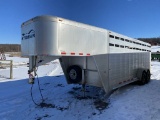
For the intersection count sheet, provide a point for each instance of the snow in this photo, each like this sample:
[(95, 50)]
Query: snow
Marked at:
[(155, 48), (131, 102)]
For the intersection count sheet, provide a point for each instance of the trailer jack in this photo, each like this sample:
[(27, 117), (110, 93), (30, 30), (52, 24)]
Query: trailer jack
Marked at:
[(31, 78), (32, 69)]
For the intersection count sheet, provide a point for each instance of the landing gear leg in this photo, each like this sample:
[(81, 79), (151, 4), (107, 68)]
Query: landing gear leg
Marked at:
[(32, 69)]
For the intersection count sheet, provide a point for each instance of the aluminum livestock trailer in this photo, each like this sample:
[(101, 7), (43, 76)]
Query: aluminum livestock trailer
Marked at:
[(87, 54)]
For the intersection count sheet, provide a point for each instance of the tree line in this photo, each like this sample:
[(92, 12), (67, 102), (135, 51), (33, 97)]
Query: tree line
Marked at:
[(152, 41), (10, 48)]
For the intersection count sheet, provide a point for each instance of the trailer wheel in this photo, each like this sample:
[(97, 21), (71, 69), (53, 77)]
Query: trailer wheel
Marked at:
[(143, 78), (75, 74), (148, 76)]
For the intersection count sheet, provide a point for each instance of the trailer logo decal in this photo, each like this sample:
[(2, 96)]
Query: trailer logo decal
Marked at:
[(28, 35)]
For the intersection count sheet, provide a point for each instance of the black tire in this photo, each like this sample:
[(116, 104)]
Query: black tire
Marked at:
[(148, 76), (143, 78), (74, 74)]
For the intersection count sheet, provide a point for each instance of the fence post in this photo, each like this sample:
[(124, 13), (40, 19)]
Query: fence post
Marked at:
[(11, 69)]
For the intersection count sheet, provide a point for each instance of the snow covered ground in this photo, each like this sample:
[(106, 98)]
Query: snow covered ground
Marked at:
[(155, 49), (131, 102)]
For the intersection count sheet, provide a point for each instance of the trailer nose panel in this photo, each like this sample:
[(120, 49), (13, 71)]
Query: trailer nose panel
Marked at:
[(39, 37), (28, 40)]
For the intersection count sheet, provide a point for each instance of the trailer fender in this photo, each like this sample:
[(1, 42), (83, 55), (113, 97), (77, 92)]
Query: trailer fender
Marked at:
[(74, 74)]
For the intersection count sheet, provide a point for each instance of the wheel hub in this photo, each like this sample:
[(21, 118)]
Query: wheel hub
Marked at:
[(73, 74)]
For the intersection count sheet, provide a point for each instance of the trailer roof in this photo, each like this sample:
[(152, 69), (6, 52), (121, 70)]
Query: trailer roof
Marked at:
[(62, 20)]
